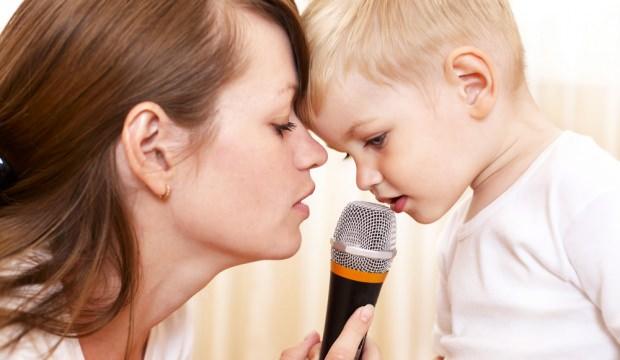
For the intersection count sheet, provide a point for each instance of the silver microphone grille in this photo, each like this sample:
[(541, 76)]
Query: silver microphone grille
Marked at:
[(365, 237)]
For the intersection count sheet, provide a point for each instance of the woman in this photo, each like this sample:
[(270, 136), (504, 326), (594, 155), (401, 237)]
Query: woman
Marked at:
[(152, 144)]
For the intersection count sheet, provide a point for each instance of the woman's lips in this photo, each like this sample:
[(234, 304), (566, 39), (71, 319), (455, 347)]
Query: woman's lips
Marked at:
[(302, 208)]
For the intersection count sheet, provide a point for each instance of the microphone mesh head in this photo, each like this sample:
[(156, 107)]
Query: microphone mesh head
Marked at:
[(367, 226)]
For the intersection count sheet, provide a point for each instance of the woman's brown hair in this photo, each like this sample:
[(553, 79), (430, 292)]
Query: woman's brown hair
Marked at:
[(70, 71)]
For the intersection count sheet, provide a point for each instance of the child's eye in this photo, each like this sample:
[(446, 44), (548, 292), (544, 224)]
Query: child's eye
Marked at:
[(377, 141), (281, 128)]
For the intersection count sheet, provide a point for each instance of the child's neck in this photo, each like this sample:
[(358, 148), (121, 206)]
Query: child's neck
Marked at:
[(525, 134)]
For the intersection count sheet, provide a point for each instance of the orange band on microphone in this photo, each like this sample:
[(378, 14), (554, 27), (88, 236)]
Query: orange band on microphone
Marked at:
[(356, 275)]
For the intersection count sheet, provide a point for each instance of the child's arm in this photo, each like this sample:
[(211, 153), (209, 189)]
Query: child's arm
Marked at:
[(592, 243)]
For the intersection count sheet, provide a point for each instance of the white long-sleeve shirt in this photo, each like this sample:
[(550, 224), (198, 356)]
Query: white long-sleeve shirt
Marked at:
[(172, 339), (536, 274)]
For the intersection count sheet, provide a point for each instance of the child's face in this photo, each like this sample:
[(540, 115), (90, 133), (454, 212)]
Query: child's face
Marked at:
[(413, 155)]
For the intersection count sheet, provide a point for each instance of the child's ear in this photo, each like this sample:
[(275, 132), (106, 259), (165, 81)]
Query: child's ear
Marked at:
[(147, 140), (472, 72)]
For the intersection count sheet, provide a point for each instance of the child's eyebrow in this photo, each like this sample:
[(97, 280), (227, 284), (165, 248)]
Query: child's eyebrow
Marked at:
[(356, 125)]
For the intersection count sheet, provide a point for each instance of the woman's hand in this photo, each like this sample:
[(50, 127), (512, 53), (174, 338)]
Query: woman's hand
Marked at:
[(345, 346)]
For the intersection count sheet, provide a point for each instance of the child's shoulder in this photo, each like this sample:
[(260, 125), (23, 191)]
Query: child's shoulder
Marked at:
[(576, 173), (578, 163)]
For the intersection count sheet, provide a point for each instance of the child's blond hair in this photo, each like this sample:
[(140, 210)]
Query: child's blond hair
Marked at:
[(404, 39)]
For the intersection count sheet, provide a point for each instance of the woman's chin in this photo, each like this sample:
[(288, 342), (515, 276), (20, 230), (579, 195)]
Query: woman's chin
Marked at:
[(287, 248)]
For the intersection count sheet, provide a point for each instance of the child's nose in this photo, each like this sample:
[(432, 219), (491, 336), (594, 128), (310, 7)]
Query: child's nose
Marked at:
[(367, 177)]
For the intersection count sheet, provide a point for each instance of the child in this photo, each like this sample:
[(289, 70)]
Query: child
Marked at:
[(428, 97)]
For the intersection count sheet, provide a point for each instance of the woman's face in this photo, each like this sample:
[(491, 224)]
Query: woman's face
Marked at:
[(242, 195)]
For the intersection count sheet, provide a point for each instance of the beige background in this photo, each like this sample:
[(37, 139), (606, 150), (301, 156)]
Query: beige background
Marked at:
[(255, 311)]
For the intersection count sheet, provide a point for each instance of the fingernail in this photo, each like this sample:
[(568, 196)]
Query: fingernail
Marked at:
[(309, 335), (366, 313)]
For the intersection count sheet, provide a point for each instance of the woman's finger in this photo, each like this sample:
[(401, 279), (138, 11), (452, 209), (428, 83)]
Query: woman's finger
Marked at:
[(371, 351), (315, 352), (303, 349), (354, 331)]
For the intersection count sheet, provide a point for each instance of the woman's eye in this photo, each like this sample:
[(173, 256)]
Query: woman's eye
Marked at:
[(377, 141), (281, 128)]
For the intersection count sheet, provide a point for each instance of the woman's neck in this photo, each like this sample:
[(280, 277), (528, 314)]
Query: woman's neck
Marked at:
[(170, 276)]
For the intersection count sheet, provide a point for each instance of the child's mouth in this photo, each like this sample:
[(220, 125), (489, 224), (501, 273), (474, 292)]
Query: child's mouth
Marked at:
[(398, 203)]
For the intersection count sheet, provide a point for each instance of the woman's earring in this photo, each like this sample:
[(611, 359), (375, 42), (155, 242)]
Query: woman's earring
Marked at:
[(166, 194)]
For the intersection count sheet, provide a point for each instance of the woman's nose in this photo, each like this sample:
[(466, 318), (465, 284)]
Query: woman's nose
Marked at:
[(310, 154)]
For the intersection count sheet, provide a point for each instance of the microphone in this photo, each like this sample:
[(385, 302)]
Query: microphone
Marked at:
[(363, 246)]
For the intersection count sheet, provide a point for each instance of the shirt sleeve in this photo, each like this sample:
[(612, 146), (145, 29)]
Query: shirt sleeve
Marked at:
[(442, 325), (592, 243)]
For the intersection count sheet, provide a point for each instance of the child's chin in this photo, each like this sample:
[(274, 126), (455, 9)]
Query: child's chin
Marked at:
[(423, 217)]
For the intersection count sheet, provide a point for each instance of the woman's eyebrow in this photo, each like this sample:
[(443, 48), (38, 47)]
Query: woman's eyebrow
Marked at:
[(288, 87)]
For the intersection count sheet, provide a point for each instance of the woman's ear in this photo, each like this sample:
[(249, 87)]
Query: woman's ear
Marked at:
[(472, 72), (147, 140)]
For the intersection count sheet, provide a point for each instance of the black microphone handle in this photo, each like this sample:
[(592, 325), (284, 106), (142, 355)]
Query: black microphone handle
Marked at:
[(345, 296)]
